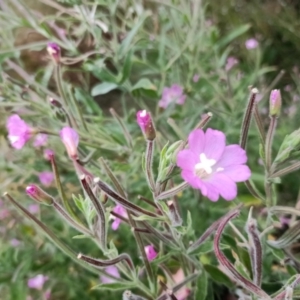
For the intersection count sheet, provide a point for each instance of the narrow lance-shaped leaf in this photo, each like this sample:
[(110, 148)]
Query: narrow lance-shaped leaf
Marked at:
[(228, 266)]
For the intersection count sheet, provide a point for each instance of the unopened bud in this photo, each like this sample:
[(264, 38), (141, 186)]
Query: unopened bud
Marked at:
[(55, 102), (37, 194), (54, 52), (150, 252), (275, 103), (144, 120), (70, 139), (48, 154)]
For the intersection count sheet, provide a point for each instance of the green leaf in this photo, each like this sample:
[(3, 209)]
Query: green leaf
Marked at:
[(201, 287), (233, 35), (128, 41), (218, 276), (80, 236), (103, 88), (146, 87), (127, 67), (114, 286), (278, 254)]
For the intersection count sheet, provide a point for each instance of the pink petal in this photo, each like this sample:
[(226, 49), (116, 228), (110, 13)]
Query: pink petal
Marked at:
[(115, 224), (237, 173), (209, 191), (186, 160), (191, 178), (224, 185), (232, 155), (111, 270), (215, 142), (197, 141)]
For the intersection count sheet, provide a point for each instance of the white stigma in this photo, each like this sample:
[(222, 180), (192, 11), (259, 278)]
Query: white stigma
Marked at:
[(143, 113), (204, 168), (13, 138)]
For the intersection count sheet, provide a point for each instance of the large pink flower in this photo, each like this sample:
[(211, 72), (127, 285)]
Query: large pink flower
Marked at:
[(18, 131), (211, 166)]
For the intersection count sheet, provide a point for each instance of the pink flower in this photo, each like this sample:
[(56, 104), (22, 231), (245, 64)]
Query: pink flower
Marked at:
[(37, 282), (172, 94), (211, 166), (231, 62), (54, 51), (71, 140), (33, 208), (251, 44), (120, 210), (15, 243), (37, 194), (150, 252), (4, 213), (184, 292), (18, 131), (47, 294), (196, 78), (40, 140), (46, 178), (144, 120), (111, 270), (48, 153)]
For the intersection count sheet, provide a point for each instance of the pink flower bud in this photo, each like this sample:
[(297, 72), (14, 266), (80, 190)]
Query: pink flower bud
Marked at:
[(144, 120), (150, 252), (275, 103), (71, 139), (54, 52), (251, 44), (37, 194)]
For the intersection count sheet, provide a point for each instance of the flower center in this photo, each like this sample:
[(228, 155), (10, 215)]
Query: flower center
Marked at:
[(204, 168)]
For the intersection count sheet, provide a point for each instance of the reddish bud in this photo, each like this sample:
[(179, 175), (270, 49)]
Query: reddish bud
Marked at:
[(54, 52), (37, 194), (275, 103), (144, 120)]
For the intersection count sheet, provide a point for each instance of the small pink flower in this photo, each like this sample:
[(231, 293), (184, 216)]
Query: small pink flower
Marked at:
[(231, 62), (71, 140), (18, 131), (196, 78), (211, 166), (46, 178), (184, 292), (251, 44), (40, 140), (33, 208), (150, 252), (15, 243), (48, 154), (120, 210), (54, 51), (111, 270), (37, 194), (172, 94), (37, 282), (47, 294)]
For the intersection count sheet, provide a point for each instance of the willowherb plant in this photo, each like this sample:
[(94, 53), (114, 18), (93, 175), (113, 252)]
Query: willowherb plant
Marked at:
[(207, 164)]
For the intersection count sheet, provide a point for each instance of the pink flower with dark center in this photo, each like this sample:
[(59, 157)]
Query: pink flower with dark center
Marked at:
[(46, 178), (120, 210), (251, 44), (231, 62), (37, 282), (70, 139), (111, 270), (48, 154), (150, 252), (172, 94), (211, 166), (40, 140), (18, 131)]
